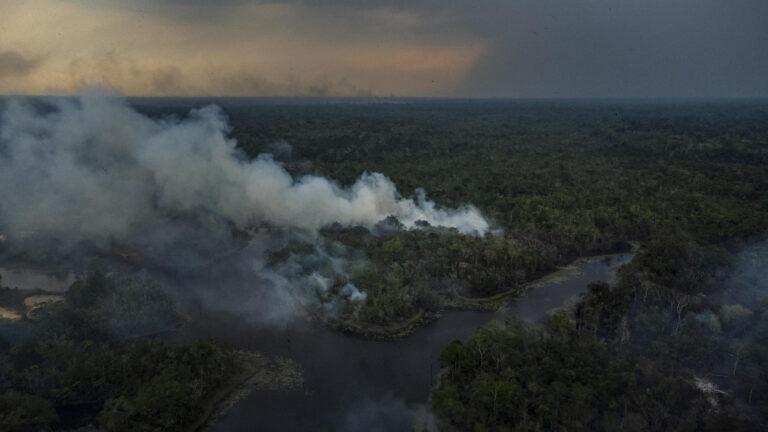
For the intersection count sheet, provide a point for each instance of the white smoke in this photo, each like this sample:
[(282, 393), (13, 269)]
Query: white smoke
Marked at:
[(93, 169)]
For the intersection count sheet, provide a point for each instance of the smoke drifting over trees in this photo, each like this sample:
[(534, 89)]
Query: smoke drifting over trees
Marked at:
[(83, 177), (95, 170)]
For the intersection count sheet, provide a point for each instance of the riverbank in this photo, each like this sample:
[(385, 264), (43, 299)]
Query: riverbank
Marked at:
[(383, 332), (16, 304), (356, 383), (496, 301), (259, 372), (455, 301)]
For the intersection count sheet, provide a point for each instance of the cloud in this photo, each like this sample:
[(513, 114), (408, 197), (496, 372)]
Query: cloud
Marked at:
[(245, 82), (527, 48), (13, 63), (241, 48), (167, 80), (608, 48)]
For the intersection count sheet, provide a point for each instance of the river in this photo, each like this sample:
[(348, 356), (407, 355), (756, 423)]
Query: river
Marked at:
[(353, 384)]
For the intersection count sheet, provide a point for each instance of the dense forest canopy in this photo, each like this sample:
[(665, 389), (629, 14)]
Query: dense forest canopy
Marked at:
[(90, 362), (677, 342), (560, 179)]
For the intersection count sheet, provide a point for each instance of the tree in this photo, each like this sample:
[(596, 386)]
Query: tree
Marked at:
[(21, 412)]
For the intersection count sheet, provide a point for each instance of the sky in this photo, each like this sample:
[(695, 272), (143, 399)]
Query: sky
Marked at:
[(448, 48)]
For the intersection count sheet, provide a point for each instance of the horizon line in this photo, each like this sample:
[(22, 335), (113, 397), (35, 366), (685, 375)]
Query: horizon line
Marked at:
[(394, 97)]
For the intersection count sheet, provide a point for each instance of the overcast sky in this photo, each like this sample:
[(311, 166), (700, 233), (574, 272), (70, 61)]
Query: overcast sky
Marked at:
[(479, 48)]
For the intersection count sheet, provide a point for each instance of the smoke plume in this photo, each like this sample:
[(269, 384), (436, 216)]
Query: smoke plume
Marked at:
[(81, 177), (95, 170)]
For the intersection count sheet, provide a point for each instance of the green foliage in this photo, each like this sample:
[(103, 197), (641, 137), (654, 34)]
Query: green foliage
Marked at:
[(514, 377), (170, 385), (576, 176), (407, 272), (561, 179), (21, 412), (632, 356), (752, 374), (89, 358)]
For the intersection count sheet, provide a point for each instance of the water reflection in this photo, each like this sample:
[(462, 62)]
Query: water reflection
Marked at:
[(352, 383)]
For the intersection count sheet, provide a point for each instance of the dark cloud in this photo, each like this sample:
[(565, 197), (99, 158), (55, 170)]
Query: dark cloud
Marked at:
[(554, 48), (167, 80), (13, 63), (245, 82), (653, 48)]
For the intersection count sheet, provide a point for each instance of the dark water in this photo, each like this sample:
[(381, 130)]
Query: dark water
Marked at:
[(353, 384)]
